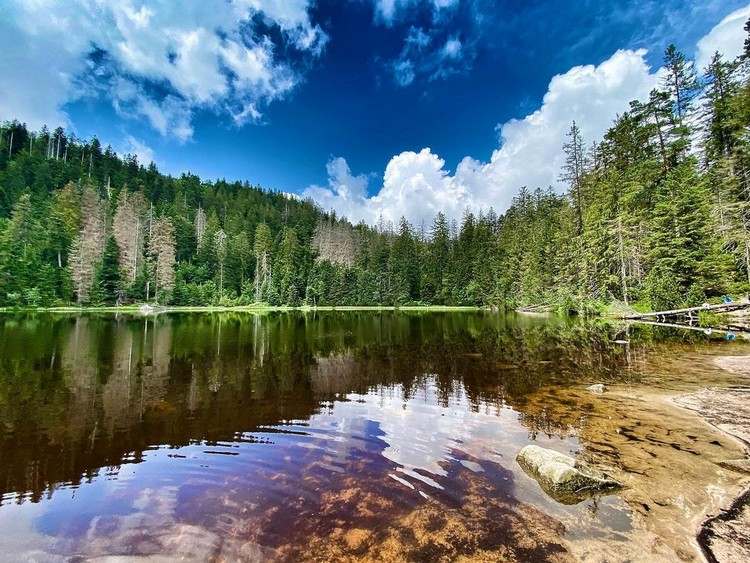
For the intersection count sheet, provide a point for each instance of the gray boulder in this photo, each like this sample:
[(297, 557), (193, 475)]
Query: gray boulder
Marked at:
[(561, 477), (597, 388)]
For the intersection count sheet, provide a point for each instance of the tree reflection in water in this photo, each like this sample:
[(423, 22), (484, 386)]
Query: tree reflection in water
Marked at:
[(287, 434)]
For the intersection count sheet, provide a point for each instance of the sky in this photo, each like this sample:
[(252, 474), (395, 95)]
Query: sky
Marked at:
[(374, 108)]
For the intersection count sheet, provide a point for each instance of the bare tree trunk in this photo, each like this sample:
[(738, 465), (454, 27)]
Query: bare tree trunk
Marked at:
[(623, 271), (136, 253), (156, 283)]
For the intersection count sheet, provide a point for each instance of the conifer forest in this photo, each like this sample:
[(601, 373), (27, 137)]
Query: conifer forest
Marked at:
[(655, 214)]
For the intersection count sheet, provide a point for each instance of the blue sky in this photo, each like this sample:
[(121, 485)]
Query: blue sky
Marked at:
[(322, 98)]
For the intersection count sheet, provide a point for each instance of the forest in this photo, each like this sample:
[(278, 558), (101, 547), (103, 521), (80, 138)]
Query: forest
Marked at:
[(655, 215)]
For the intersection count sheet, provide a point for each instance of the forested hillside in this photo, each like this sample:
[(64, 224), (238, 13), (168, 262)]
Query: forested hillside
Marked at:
[(657, 212)]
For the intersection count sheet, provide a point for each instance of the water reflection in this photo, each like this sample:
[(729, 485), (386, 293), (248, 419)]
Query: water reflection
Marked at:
[(284, 435)]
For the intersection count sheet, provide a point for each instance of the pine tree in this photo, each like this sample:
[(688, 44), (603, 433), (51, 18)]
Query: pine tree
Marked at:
[(262, 251), (437, 260), (681, 81), (20, 253), (404, 264), (683, 249), (287, 270), (573, 170), (107, 286), (240, 257)]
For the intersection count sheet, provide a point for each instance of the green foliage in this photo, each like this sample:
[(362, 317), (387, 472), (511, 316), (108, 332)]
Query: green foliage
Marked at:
[(107, 285), (662, 290), (647, 221)]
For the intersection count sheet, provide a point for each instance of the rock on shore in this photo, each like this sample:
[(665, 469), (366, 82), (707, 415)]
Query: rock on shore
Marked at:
[(726, 536), (561, 477)]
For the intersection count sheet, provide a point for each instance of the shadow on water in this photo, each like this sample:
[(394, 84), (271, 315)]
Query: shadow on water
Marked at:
[(301, 434)]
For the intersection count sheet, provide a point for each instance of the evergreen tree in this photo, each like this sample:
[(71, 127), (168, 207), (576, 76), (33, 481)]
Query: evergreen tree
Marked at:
[(640, 221), (682, 248), (573, 171), (287, 269), (404, 265), (20, 255), (262, 250), (437, 261), (681, 81), (107, 287)]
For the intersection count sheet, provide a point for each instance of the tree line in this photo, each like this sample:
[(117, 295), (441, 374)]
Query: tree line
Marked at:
[(655, 214)]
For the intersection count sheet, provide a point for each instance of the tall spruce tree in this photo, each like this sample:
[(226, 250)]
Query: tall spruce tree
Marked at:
[(108, 285)]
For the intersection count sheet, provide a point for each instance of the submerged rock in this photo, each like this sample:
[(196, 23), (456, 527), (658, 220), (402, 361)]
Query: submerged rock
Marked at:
[(726, 537), (598, 388), (561, 477), (738, 465)]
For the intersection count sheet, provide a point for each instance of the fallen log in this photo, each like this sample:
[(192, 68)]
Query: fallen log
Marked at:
[(534, 309), (690, 312), (737, 331)]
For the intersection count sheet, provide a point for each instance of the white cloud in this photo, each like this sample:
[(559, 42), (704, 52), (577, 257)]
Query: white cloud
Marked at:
[(403, 72), (417, 59), (138, 148), (418, 38), (434, 51), (452, 48), (727, 37), (169, 116), (388, 11), (346, 193), (420, 434), (417, 184), (177, 57)]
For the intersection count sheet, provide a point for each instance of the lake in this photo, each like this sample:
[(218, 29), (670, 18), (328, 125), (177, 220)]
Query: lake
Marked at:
[(351, 435)]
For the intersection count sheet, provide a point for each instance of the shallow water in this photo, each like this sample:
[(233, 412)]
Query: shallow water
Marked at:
[(347, 435)]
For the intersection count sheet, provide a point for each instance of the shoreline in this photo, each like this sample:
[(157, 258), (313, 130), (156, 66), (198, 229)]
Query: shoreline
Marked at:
[(721, 408), (666, 456), (240, 309)]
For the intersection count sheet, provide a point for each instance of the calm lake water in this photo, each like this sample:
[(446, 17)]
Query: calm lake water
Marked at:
[(311, 436)]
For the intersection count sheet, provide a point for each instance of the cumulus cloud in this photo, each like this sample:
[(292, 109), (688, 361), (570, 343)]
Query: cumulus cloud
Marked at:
[(159, 60), (345, 192), (139, 149), (727, 37), (417, 185)]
